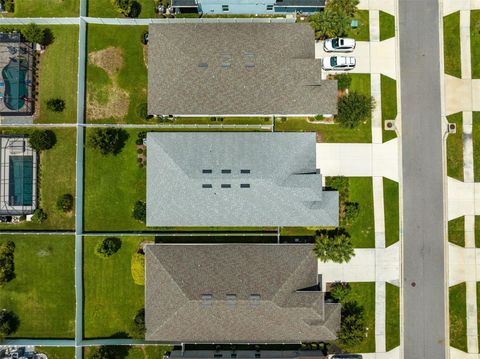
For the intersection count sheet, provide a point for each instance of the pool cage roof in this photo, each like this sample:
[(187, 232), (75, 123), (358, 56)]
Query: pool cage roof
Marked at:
[(20, 179), (17, 69)]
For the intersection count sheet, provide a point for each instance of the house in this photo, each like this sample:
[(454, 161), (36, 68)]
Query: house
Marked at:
[(236, 179), (241, 69), (264, 7), (239, 293), (18, 176)]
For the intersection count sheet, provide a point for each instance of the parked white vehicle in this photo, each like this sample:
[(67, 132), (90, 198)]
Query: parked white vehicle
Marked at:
[(339, 44), (338, 63)]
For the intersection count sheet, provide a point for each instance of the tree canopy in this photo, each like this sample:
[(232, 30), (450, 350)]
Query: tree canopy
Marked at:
[(335, 246), (354, 108), (108, 140), (42, 140)]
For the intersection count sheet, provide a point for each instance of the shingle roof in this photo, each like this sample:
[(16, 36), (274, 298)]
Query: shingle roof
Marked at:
[(178, 278), (226, 69), (284, 187)]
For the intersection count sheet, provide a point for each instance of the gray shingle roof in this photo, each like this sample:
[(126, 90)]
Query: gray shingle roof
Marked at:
[(178, 278), (227, 69), (284, 187)]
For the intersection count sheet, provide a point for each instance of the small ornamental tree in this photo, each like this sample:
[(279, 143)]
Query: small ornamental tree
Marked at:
[(34, 33), (138, 328), (329, 24), (140, 211), (39, 216), (349, 7), (7, 262), (354, 108), (108, 140), (352, 327), (42, 140), (340, 291), (344, 81), (333, 246), (352, 210), (56, 105), (108, 246), (65, 202), (9, 323)]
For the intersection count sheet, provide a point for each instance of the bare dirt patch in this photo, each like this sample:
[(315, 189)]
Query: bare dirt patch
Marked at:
[(109, 59), (116, 107)]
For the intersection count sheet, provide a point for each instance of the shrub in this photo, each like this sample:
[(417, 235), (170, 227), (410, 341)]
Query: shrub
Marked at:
[(352, 327), (340, 291), (138, 268), (352, 210), (123, 6), (108, 140), (140, 137), (354, 108), (56, 105), (65, 202), (344, 81), (142, 111), (34, 33), (139, 323), (39, 216), (140, 211), (349, 7), (135, 9), (108, 246), (140, 151), (9, 322), (339, 183), (109, 352), (42, 140), (334, 246), (9, 5), (330, 23), (7, 262)]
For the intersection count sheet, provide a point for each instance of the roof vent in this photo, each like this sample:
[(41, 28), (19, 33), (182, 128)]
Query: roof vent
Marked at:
[(255, 299), (206, 171), (244, 171), (203, 65), (231, 299), (207, 299), (226, 171), (226, 185), (207, 185), (244, 185)]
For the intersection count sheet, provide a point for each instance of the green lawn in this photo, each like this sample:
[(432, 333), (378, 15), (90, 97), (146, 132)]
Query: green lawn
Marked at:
[(334, 132), (455, 148), (58, 75), (362, 32), (387, 26), (47, 8), (451, 44), (43, 292), (57, 352), (116, 97), (475, 42), (104, 8), (392, 215), (137, 352), (458, 316), (389, 104), (392, 319), (364, 295), (456, 231), (476, 145), (111, 298), (477, 232), (56, 177)]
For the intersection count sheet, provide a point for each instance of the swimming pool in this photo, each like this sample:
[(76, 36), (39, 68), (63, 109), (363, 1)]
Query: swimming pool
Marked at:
[(14, 75), (21, 181)]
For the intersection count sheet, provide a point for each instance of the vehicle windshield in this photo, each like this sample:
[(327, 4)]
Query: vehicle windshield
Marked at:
[(333, 61), (335, 43)]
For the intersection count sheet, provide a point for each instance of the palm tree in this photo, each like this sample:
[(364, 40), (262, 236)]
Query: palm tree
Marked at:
[(333, 246)]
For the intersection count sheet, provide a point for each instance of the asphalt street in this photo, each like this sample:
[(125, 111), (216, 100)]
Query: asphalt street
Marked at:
[(423, 207)]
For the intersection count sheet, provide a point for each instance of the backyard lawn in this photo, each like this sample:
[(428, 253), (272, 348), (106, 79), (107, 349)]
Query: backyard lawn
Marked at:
[(334, 132), (137, 351), (57, 352), (43, 292), (392, 216), (458, 316), (451, 44), (456, 231), (56, 177), (47, 8), (455, 148), (111, 298), (364, 295), (387, 26), (116, 74), (58, 75), (475, 42), (392, 319), (389, 104), (104, 8), (362, 32), (476, 145)]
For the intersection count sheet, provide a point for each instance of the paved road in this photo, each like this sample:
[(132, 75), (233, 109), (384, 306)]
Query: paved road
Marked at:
[(423, 209)]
